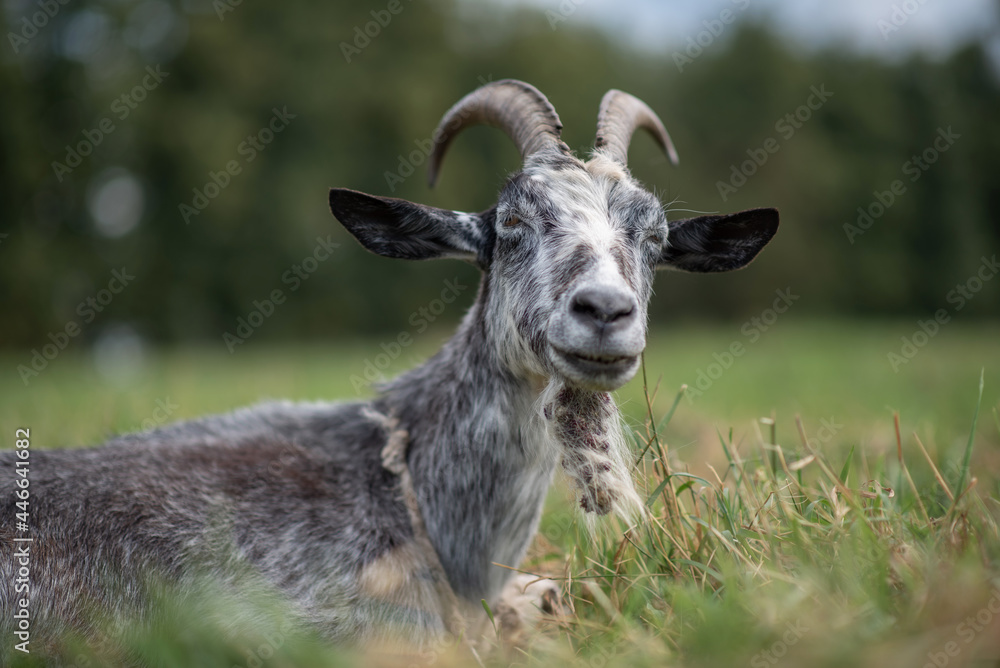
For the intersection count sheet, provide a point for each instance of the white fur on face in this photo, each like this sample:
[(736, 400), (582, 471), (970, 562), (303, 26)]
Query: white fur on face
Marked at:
[(579, 228)]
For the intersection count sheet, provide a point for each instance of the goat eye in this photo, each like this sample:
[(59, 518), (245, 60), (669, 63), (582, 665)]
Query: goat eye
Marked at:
[(512, 221)]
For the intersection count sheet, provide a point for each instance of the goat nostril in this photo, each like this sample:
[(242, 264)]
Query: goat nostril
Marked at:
[(622, 314), (602, 306), (584, 308)]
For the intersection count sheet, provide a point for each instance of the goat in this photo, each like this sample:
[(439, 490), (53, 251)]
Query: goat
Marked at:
[(384, 519)]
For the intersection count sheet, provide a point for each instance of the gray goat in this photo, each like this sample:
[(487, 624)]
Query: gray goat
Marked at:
[(385, 518)]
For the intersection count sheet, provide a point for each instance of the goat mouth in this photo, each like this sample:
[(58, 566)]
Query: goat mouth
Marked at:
[(602, 370), (594, 358)]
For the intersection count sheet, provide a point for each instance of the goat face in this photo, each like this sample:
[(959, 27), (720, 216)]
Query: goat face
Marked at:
[(572, 269), (570, 248)]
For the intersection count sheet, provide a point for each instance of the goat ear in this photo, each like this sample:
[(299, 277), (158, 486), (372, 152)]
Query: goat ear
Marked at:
[(718, 243), (397, 228)]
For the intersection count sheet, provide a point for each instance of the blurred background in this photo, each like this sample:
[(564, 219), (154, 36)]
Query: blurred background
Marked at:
[(189, 145)]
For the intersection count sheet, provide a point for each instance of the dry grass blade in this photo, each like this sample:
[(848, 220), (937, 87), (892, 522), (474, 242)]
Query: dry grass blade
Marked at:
[(800, 464), (874, 495), (937, 474), (906, 470), (834, 478)]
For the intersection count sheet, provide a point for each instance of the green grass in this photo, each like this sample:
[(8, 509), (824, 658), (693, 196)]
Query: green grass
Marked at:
[(824, 540)]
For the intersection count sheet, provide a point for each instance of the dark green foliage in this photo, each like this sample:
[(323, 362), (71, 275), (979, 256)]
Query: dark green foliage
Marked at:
[(355, 121)]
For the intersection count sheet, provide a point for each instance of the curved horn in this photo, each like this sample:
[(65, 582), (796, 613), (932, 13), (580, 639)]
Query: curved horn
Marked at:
[(517, 108), (620, 116)]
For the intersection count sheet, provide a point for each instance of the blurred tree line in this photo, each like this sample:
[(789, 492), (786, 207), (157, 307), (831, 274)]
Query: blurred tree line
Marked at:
[(128, 130)]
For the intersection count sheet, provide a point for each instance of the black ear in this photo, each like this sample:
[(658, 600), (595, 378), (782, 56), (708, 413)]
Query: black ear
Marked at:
[(718, 243), (397, 228)]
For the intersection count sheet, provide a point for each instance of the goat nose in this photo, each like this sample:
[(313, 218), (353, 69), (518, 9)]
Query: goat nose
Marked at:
[(603, 307)]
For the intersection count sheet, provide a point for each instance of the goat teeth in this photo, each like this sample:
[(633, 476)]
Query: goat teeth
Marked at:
[(604, 359)]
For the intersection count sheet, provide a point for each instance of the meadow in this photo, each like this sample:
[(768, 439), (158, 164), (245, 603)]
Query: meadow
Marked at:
[(793, 519)]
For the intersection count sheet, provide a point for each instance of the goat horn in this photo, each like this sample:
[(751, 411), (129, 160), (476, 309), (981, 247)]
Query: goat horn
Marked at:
[(619, 117), (517, 108)]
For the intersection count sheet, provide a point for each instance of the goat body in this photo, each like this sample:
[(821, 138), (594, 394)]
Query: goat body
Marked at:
[(385, 519)]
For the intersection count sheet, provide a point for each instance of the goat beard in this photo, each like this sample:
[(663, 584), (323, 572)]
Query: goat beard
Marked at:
[(593, 449)]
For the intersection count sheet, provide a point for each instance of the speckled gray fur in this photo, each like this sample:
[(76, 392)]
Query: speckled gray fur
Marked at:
[(294, 498)]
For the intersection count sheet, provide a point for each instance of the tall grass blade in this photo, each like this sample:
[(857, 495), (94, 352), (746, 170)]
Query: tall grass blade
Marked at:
[(670, 413), (656, 492), (964, 475), (844, 472)]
